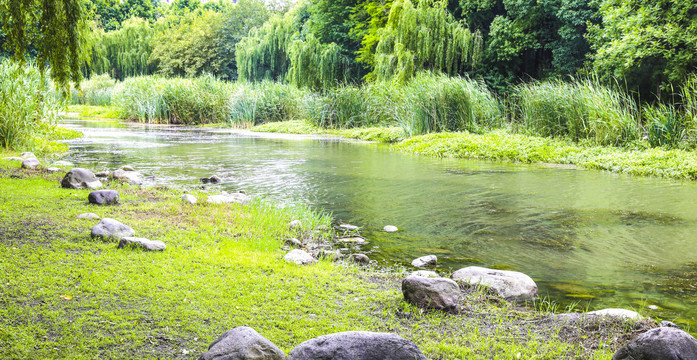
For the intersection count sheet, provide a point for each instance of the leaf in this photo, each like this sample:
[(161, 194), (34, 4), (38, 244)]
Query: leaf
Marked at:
[(66, 297)]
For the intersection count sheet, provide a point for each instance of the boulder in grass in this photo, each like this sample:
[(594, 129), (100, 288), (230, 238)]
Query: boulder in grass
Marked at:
[(431, 293), (103, 197), (142, 243), (189, 199), (242, 343), (300, 257), (663, 343), (237, 198), (357, 345), (424, 261), (30, 163), (110, 229), (130, 177), (360, 259), (79, 178), (510, 285)]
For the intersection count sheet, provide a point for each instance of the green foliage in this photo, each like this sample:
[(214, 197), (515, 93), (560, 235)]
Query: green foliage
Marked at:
[(437, 103), (317, 65), (27, 111), (664, 125), (578, 110), (124, 52), (649, 43), (57, 30), (369, 18), (425, 37)]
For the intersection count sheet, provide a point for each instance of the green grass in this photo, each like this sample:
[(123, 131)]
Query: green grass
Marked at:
[(95, 111), (502, 145), (63, 295), (377, 134)]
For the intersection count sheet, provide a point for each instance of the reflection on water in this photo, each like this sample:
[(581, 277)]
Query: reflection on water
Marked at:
[(617, 241)]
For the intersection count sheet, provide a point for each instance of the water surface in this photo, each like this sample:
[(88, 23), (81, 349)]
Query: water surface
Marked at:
[(613, 240)]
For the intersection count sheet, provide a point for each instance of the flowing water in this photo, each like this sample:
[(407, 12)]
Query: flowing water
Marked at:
[(590, 238)]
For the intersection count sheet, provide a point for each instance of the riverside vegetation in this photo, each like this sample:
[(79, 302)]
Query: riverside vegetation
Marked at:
[(66, 295)]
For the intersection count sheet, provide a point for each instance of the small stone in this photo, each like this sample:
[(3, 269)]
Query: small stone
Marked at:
[(358, 240), (617, 313), (30, 163), (390, 228), (653, 307), (242, 343), (145, 244), (62, 163), (426, 274), (295, 225), (127, 168), (300, 257), (663, 343), (357, 345), (293, 242), (79, 178), (90, 216), (666, 323), (510, 285), (103, 174), (110, 229), (332, 255), (360, 259), (27, 155), (103, 197), (54, 170), (236, 198), (431, 293), (215, 179), (189, 199), (349, 227), (425, 261)]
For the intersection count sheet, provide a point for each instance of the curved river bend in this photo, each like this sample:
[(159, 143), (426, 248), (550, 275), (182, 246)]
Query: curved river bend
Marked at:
[(613, 240)]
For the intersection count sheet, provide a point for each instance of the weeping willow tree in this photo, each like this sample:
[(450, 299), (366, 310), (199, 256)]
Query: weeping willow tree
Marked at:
[(124, 52), (424, 37), (55, 30), (263, 54), (316, 65)]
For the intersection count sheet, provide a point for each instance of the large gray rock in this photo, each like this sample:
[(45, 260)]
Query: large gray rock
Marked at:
[(425, 261), (237, 198), (664, 343), (431, 293), (145, 244), (131, 177), (110, 229), (300, 257), (79, 178), (30, 163), (511, 285), (103, 197), (242, 343), (357, 345)]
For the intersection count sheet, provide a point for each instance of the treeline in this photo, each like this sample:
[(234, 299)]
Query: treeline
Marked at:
[(648, 47)]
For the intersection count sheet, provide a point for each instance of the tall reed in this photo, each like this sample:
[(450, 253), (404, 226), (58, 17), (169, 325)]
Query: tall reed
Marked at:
[(97, 90), (141, 98), (27, 110), (582, 109)]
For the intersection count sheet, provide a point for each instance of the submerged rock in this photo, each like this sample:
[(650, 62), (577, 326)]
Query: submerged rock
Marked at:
[(79, 178), (189, 199), (30, 163), (511, 285), (357, 345), (242, 343), (110, 229), (131, 177), (237, 198), (358, 240), (145, 244), (431, 293), (348, 227), (424, 261), (215, 179), (300, 257), (390, 228), (103, 197), (664, 343)]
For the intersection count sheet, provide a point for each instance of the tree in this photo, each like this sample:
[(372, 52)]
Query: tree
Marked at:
[(648, 43), (123, 52), (369, 18), (58, 31)]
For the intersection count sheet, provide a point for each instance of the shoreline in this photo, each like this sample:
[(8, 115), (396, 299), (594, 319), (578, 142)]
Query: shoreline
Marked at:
[(341, 297)]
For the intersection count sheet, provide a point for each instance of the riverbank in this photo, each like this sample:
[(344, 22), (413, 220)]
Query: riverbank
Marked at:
[(65, 295)]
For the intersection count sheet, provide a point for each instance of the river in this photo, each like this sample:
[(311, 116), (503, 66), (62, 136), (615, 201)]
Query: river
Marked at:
[(590, 238)]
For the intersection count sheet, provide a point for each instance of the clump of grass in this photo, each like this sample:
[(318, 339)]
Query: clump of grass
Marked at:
[(202, 100), (96, 91), (664, 125), (141, 98), (257, 103), (27, 110), (341, 107), (577, 110), (438, 103)]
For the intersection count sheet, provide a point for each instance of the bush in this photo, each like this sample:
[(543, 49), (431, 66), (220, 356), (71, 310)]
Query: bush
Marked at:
[(577, 110), (27, 109)]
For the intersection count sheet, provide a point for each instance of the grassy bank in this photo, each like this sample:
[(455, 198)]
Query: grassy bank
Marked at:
[(64, 295)]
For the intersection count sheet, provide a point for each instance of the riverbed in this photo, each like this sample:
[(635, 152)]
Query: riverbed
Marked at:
[(590, 239)]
